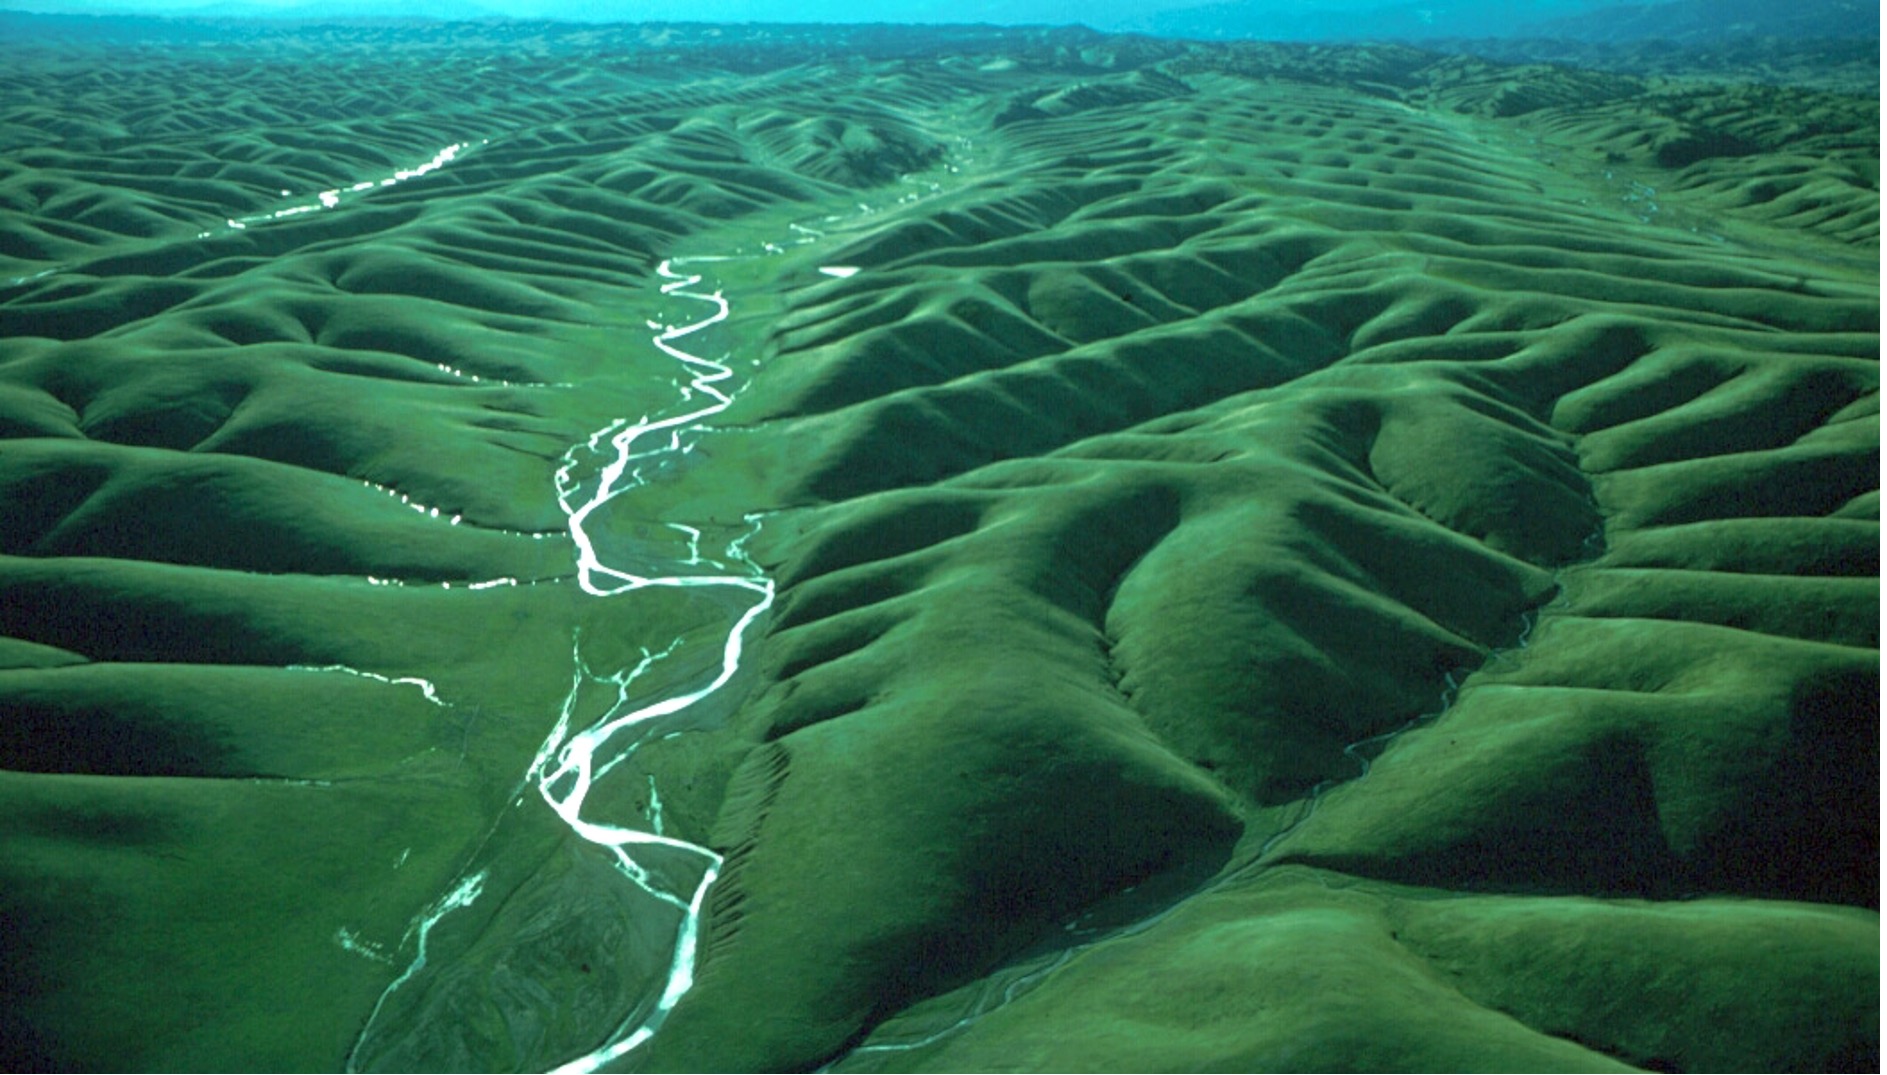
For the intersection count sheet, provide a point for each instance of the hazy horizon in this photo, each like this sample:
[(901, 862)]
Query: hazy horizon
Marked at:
[(1099, 14)]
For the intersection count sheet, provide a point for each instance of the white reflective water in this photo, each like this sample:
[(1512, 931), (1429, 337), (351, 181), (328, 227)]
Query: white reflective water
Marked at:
[(333, 198), (570, 760), (462, 895), (425, 686), (302, 205), (610, 709)]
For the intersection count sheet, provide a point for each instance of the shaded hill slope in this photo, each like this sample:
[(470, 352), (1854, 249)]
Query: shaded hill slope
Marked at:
[(1288, 557)]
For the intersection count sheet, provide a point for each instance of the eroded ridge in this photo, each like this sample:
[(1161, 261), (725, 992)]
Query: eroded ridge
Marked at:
[(1163, 449), (1247, 451)]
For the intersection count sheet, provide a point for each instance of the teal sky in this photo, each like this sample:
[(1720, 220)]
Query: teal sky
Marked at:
[(1100, 14)]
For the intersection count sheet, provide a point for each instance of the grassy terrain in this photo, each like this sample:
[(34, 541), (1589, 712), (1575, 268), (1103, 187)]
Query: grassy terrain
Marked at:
[(1288, 557)]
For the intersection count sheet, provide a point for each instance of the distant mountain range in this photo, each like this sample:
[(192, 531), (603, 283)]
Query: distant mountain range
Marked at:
[(388, 10), (1305, 20), (1690, 21), (1700, 21), (1687, 21), (441, 10)]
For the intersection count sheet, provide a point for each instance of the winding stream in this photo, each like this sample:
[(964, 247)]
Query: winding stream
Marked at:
[(592, 736), (570, 760)]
